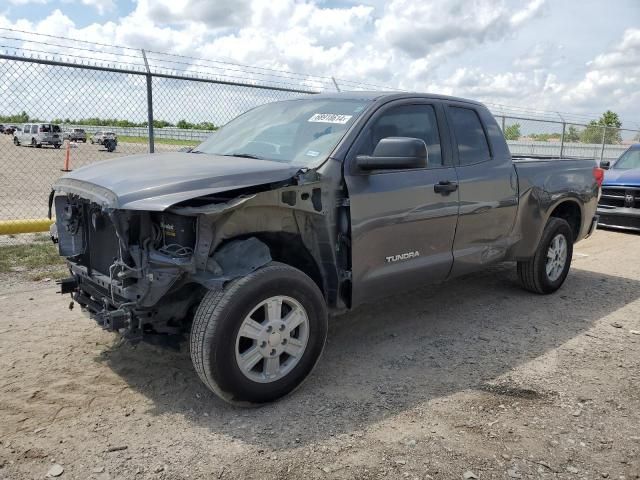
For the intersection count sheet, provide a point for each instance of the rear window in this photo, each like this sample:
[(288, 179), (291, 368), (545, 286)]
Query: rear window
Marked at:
[(472, 141), (56, 128), (45, 128)]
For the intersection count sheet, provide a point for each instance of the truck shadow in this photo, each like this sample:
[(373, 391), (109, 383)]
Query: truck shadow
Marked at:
[(390, 356)]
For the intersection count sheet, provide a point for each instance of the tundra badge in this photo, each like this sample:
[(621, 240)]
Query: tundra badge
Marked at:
[(402, 256)]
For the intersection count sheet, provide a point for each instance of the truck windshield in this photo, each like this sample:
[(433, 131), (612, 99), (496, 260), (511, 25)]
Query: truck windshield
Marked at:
[(300, 132), (629, 160)]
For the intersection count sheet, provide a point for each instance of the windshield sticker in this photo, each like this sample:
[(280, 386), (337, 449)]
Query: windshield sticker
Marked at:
[(312, 153), (330, 118)]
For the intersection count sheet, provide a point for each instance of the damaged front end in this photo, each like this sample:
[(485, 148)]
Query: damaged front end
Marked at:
[(124, 263), (144, 272)]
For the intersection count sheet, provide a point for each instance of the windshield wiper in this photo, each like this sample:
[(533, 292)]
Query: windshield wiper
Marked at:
[(243, 155)]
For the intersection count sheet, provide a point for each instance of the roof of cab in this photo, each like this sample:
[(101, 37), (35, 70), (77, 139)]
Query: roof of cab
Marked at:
[(386, 96)]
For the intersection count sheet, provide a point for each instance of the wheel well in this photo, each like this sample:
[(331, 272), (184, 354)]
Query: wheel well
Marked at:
[(288, 248), (569, 211)]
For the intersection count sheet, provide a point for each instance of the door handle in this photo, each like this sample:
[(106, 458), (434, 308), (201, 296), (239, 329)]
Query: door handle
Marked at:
[(445, 187)]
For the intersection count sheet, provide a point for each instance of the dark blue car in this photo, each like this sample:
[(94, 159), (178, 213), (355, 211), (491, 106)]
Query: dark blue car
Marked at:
[(619, 205)]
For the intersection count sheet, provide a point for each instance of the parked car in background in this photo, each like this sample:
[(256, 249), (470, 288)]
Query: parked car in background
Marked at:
[(99, 137), (619, 205), (305, 207), (76, 135), (38, 134), (11, 129), (1, 128)]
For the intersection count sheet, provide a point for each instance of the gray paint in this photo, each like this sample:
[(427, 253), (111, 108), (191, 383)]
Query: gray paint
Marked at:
[(347, 222), (155, 182)]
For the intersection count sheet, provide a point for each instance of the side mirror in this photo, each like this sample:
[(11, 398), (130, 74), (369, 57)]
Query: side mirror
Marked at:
[(605, 164), (395, 153)]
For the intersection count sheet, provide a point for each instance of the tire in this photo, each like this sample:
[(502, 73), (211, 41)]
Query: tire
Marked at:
[(33, 143), (57, 145), (16, 142), (534, 274), (91, 141), (217, 345)]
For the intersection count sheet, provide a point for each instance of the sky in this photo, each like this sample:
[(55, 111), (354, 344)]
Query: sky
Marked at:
[(576, 56)]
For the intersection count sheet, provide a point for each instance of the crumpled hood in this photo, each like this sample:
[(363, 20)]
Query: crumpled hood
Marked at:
[(619, 177), (154, 182)]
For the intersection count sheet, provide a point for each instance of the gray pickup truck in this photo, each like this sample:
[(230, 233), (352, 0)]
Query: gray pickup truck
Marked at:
[(301, 209)]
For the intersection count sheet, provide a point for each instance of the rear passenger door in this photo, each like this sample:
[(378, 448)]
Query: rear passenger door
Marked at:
[(488, 188), (402, 221), (24, 135)]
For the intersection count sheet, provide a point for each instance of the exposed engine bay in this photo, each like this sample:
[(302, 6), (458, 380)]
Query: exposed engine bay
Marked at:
[(143, 272)]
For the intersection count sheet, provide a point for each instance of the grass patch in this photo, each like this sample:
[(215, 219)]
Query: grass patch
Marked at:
[(36, 260), (164, 141)]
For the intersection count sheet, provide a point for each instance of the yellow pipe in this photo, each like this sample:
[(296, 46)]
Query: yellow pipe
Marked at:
[(26, 225)]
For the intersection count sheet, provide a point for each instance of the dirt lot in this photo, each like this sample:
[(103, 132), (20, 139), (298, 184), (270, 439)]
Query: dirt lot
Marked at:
[(26, 173), (473, 377)]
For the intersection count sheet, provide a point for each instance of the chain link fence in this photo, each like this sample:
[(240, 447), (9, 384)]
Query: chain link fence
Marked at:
[(551, 138), (57, 107), (54, 116)]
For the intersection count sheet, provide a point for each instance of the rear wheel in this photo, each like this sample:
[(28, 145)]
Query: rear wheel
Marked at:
[(33, 143), (57, 145), (549, 267), (259, 338), (16, 142)]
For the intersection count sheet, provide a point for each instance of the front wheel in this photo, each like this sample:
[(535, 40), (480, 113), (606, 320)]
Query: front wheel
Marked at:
[(549, 267), (16, 142), (257, 339)]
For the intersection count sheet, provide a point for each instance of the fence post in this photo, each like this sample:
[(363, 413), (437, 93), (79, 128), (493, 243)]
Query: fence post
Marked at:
[(502, 124), (604, 133), (564, 125), (149, 102), (335, 84)]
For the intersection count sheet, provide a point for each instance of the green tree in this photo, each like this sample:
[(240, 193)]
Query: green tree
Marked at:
[(572, 135), (21, 117), (512, 132), (608, 124)]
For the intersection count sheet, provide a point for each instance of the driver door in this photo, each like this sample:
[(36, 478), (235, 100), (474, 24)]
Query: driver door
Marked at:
[(402, 222)]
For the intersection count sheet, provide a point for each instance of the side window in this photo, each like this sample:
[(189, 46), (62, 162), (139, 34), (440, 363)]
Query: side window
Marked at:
[(472, 141), (415, 121), (26, 129), (34, 128)]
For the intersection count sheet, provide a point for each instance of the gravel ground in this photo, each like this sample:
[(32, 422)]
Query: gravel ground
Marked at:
[(473, 378), (26, 173)]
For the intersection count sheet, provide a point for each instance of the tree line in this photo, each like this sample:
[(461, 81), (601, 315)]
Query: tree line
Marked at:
[(24, 117), (592, 133)]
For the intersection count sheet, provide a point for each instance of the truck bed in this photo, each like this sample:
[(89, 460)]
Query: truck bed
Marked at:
[(526, 158)]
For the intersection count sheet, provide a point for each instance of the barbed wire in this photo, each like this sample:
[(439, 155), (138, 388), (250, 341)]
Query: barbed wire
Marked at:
[(225, 70)]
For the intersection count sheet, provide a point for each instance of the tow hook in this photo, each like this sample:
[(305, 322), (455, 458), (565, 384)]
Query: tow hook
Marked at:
[(114, 320), (67, 285)]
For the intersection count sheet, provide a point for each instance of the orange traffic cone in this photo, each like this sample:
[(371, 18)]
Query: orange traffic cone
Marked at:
[(66, 158)]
